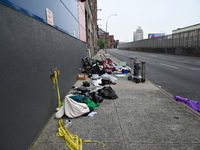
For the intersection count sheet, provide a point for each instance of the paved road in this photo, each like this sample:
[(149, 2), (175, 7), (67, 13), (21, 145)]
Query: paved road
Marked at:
[(178, 75)]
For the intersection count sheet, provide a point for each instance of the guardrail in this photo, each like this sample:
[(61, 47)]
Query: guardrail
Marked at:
[(183, 43)]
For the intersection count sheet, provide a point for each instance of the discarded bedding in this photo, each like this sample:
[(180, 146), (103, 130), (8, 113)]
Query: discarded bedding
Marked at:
[(192, 103), (103, 80), (72, 108), (109, 77)]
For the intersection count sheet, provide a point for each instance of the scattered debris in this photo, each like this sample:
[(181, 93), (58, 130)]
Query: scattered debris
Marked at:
[(72, 140), (176, 117), (92, 114)]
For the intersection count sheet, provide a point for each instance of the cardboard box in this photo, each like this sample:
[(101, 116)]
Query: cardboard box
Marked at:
[(81, 77)]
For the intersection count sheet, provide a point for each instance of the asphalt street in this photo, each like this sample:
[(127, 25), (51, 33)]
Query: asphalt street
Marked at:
[(178, 75)]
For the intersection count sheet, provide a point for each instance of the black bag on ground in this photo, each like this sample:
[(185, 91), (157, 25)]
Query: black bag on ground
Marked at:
[(108, 93), (106, 81), (96, 70), (86, 84), (95, 97)]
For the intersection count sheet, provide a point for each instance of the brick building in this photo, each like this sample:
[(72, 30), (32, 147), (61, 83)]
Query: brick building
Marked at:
[(111, 43), (91, 25)]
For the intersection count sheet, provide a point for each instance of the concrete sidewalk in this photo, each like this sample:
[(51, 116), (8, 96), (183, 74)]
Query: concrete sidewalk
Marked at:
[(144, 117)]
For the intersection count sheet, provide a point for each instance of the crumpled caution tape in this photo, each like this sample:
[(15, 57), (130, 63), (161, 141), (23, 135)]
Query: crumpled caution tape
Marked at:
[(72, 140), (54, 77)]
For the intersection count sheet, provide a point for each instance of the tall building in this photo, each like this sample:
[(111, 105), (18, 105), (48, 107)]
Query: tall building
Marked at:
[(138, 34)]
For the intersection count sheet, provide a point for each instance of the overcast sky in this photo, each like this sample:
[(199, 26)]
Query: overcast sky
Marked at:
[(154, 16)]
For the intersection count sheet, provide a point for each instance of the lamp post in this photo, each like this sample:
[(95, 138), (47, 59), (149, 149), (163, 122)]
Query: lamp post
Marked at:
[(106, 30)]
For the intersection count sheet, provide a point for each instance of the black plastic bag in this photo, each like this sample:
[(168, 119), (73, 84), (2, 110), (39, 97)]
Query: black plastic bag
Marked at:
[(96, 97), (86, 84), (108, 93)]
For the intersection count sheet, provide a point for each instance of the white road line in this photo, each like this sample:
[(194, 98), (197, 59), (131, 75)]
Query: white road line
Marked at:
[(153, 55), (198, 69), (169, 66)]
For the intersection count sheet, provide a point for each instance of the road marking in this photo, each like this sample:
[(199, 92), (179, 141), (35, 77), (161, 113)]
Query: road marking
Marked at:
[(195, 69), (153, 55), (169, 66)]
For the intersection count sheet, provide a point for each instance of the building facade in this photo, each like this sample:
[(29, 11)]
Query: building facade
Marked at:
[(91, 26), (93, 4), (138, 34), (108, 39)]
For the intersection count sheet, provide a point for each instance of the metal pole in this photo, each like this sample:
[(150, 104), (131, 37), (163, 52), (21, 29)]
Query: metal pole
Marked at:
[(106, 31)]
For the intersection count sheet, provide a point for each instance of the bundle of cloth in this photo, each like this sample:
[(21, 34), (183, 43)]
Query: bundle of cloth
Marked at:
[(72, 109), (105, 79), (192, 103), (76, 105)]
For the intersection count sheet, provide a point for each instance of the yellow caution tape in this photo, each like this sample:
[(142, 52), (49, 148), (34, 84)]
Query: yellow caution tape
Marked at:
[(54, 78), (72, 140)]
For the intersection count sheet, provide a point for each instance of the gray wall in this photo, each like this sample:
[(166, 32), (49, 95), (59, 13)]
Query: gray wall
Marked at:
[(28, 51)]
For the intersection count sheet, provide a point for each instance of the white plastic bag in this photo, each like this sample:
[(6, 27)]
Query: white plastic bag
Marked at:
[(97, 82), (109, 77), (95, 76)]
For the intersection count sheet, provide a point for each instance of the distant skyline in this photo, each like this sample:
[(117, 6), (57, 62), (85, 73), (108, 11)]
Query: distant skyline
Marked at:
[(153, 16)]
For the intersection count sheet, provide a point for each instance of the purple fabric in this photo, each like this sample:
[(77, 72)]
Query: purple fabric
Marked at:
[(193, 104)]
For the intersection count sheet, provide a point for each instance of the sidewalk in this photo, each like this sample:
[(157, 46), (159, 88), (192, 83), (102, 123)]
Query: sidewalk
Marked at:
[(144, 117)]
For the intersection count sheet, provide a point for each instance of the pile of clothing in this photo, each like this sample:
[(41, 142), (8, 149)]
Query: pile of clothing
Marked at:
[(105, 79), (83, 100), (95, 66)]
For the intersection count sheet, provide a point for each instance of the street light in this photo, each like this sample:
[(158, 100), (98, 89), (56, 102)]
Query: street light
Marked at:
[(107, 20), (107, 28)]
